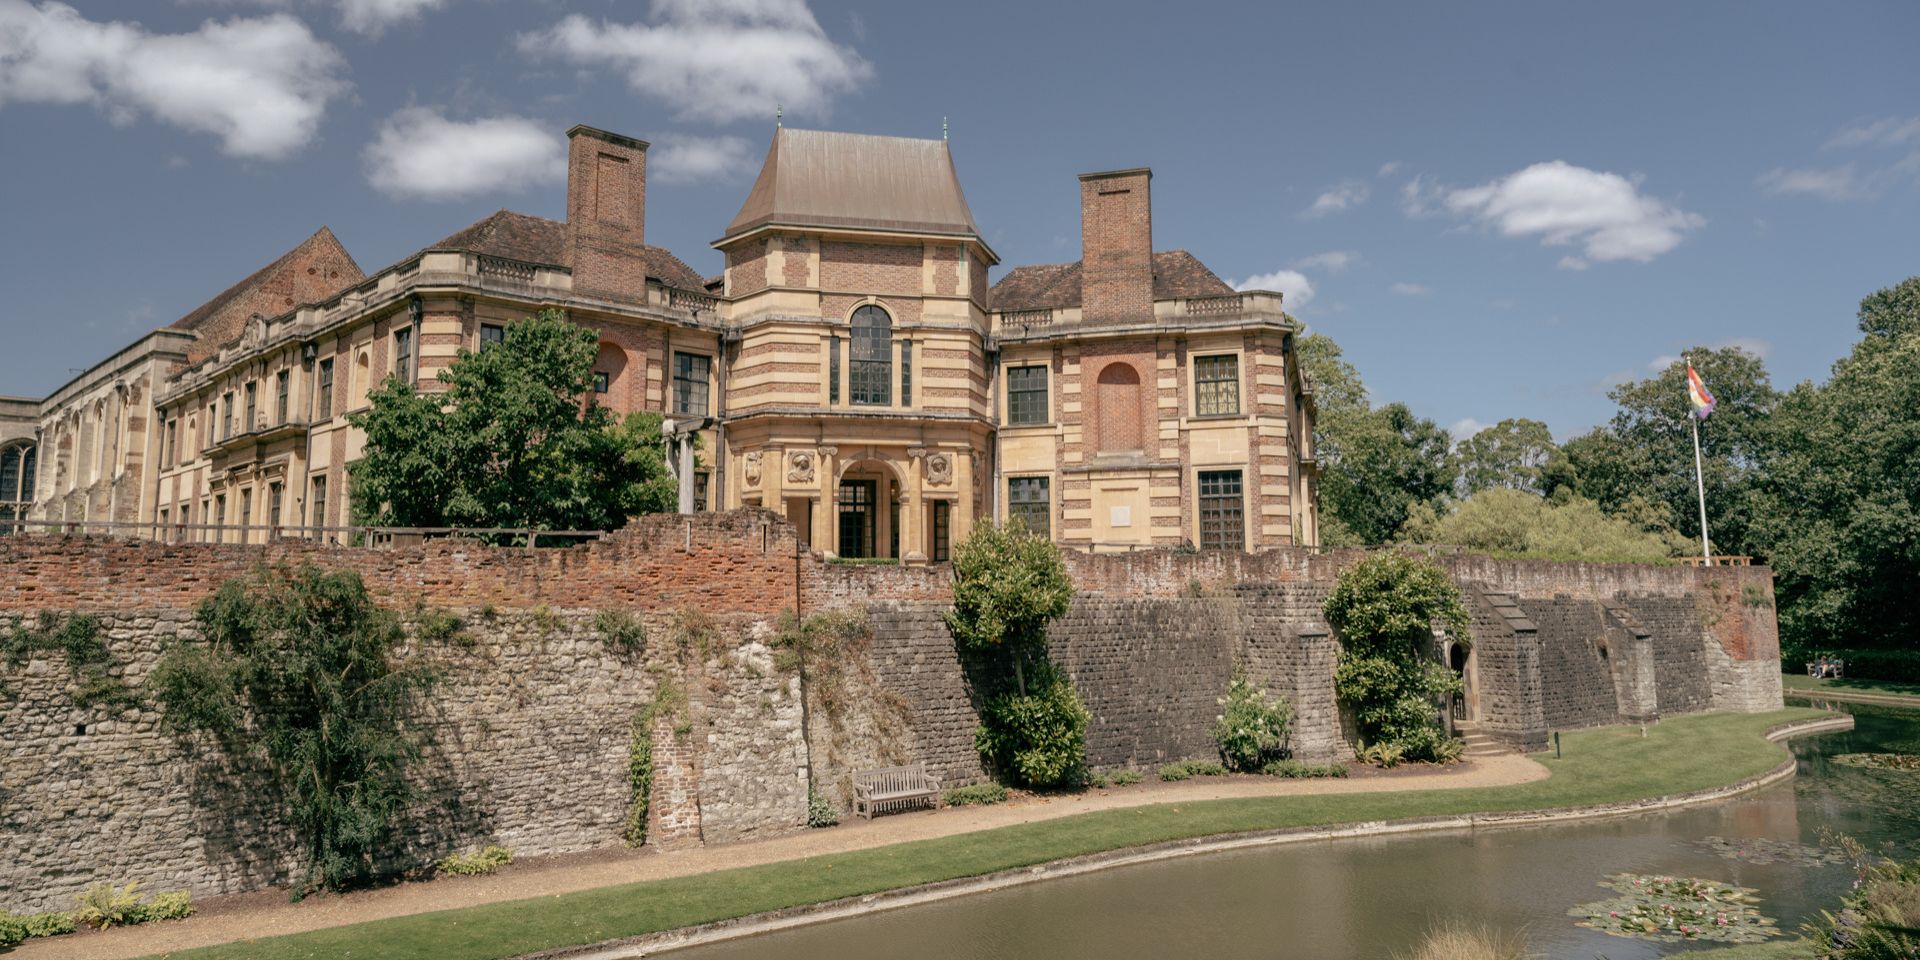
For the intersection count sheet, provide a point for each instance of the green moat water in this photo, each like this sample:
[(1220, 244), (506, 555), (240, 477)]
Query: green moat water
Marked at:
[(1368, 899)]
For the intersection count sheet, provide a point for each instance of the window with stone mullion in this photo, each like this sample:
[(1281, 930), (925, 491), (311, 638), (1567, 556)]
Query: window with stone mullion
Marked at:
[(1216, 385), (1027, 501)]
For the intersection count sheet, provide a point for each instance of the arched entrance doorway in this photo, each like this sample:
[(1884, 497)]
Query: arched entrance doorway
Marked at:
[(1466, 703), (867, 511)]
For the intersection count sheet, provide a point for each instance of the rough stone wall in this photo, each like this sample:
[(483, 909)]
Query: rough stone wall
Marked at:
[(528, 743), (1150, 672), (1571, 637)]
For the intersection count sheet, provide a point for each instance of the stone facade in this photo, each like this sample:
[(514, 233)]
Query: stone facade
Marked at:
[(530, 727)]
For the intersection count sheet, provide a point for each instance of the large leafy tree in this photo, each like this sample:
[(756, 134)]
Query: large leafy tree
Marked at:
[(1513, 454), (1515, 523), (514, 441), (1647, 449), (1376, 463), (1841, 505)]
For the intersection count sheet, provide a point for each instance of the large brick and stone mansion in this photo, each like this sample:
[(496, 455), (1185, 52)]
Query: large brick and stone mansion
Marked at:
[(851, 369)]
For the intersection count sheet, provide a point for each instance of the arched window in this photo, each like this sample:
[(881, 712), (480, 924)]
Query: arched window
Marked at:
[(1118, 399), (16, 485), (871, 376), (362, 377)]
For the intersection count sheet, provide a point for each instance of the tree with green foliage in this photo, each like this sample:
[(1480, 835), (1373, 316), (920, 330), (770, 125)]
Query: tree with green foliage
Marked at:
[(1375, 463), (515, 441), (1513, 454), (1840, 517), (1385, 609), (1647, 449), (1513, 523), (1008, 583), (301, 672)]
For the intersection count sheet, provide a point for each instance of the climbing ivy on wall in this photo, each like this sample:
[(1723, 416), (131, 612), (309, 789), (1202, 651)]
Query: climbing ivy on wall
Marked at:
[(300, 672), (668, 700), (89, 662)]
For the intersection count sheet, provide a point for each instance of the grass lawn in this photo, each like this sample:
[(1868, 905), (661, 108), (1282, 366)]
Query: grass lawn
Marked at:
[(1600, 766), (1802, 682)]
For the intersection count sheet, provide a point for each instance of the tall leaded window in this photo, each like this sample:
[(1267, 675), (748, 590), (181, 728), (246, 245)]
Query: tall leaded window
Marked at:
[(16, 474), (833, 371), (871, 375), (1222, 511), (1027, 502), (492, 335), (1216, 385), (325, 399), (942, 531), (403, 353), (691, 375), (226, 420), (906, 373), (280, 397), (1027, 395)]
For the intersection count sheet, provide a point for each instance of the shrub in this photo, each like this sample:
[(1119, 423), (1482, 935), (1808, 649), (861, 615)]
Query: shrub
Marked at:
[(1449, 750), (1381, 754), (1251, 729), (1385, 608), (105, 905), (1295, 770), (1125, 778), (435, 625), (820, 811), (1183, 769), (89, 663), (1038, 739), (12, 930), (177, 905), (53, 924), (978, 795), (478, 863), (620, 630)]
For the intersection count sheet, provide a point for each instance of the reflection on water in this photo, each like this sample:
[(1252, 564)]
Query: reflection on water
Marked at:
[(1366, 899)]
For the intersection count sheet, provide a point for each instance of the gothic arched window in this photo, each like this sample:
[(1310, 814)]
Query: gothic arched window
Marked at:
[(871, 376)]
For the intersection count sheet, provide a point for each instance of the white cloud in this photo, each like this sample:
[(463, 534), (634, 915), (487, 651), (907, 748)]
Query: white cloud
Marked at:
[(1410, 289), (715, 60), (1295, 289), (1571, 262), (1833, 183), (688, 159), (1342, 196), (1885, 132), (260, 84), (420, 153), (1333, 261), (1464, 428), (373, 17), (1605, 214), (1420, 195)]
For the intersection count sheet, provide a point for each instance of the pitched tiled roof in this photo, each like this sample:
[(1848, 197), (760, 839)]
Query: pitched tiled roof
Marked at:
[(520, 236), (206, 311), (818, 178), (1176, 273)]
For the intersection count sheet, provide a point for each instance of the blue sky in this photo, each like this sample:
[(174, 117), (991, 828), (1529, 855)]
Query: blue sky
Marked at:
[(1497, 210)]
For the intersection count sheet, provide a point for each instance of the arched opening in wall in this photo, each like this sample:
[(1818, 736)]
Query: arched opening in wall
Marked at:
[(1466, 703), (362, 379), (867, 510), (1117, 406), (870, 375), (609, 370), (16, 485)]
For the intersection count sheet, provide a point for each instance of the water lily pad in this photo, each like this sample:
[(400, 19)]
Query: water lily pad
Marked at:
[(1880, 761), (1763, 850), (1675, 909)]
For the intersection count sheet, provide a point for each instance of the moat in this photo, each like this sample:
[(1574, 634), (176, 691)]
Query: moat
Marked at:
[(1364, 899)]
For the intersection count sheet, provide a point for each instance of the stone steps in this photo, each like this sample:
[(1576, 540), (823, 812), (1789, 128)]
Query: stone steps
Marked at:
[(1480, 743)]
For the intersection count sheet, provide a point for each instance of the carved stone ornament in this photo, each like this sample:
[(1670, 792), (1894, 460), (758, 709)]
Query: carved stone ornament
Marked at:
[(800, 468), (751, 469), (939, 469)]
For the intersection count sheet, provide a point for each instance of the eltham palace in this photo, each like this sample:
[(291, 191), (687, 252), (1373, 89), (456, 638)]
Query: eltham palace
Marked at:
[(851, 369)]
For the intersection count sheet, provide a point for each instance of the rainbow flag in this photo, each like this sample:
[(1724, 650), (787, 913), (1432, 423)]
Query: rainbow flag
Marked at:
[(1697, 393)]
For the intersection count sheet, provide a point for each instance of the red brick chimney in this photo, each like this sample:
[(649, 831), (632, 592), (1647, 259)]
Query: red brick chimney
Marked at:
[(1116, 244), (606, 213)]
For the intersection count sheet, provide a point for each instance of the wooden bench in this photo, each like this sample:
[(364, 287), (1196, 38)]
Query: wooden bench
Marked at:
[(891, 788)]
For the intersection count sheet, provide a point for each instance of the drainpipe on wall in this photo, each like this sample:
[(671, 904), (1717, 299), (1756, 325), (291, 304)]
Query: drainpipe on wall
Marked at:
[(991, 503)]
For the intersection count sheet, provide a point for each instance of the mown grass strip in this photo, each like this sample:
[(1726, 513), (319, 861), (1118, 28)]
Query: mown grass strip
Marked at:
[(1611, 765), (1801, 683)]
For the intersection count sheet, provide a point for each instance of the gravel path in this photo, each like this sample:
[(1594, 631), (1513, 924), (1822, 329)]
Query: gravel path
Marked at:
[(267, 913)]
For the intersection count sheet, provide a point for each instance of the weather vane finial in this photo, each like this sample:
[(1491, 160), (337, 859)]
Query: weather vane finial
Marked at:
[(779, 116), (943, 127)]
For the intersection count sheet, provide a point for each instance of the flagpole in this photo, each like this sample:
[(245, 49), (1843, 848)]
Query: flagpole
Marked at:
[(1700, 483)]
